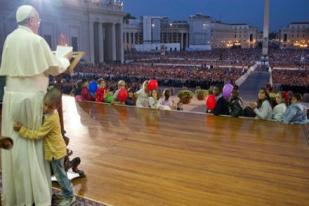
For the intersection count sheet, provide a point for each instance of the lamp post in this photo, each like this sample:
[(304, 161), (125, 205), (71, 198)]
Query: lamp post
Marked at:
[(265, 32)]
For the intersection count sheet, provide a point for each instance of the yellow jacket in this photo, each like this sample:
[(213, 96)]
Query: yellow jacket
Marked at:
[(54, 145)]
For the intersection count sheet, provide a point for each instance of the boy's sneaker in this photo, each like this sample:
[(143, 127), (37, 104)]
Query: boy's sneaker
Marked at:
[(67, 201)]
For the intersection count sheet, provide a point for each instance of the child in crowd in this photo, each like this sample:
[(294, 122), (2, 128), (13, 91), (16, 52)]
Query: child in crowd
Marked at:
[(101, 91), (121, 85), (217, 91), (142, 96), (85, 94), (262, 108), (166, 102), (109, 96), (222, 105), (296, 112), (236, 104), (131, 100), (280, 108), (210, 97), (54, 145), (153, 99)]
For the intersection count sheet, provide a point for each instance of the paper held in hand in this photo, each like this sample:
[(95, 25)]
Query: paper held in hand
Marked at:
[(64, 51)]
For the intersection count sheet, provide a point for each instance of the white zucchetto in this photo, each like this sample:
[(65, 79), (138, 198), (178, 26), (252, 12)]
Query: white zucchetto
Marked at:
[(23, 12)]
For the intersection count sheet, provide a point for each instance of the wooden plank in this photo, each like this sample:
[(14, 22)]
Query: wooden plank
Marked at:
[(145, 157)]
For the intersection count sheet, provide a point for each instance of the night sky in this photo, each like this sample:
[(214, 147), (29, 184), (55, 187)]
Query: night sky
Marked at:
[(231, 11)]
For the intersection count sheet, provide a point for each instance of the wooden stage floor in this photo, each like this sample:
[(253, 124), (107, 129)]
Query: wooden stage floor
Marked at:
[(145, 157)]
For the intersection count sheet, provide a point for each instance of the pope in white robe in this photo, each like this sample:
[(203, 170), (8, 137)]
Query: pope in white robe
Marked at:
[(26, 62)]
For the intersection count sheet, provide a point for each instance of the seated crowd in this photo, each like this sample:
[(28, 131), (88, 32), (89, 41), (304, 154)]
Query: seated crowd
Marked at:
[(142, 97), (283, 107), (167, 76), (294, 58), (294, 80), (235, 57), (161, 72), (128, 83)]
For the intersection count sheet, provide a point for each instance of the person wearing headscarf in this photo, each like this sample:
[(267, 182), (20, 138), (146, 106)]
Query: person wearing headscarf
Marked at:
[(27, 61), (166, 102), (142, 96)]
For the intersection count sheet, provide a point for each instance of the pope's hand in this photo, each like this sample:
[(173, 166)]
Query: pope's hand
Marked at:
[(69, 56)]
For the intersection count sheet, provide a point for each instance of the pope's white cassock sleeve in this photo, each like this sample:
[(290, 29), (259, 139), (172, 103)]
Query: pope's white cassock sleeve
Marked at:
[(26, 62)]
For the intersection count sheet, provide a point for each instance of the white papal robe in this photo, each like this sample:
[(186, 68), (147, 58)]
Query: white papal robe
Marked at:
[(26, 62)]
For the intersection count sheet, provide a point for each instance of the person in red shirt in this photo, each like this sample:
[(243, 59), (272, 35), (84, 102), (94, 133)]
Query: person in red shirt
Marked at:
[(101, 91), (85, 92)]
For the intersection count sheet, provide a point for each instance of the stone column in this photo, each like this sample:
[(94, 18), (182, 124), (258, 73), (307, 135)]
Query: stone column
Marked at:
[(96, 43), (125, 41), (91, 41), (133, 45), (113, 41), (119, 42), (181, 42), (129, 41), (101, 42), (188, 40), (266, 28), (108, 43)]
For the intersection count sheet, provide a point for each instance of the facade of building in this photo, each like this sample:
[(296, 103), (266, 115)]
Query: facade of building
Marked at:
[(133, 34), (93, 26), (98, 28), (233, 35), (199, 33), (295, 35), (176, 32), (150, 33)]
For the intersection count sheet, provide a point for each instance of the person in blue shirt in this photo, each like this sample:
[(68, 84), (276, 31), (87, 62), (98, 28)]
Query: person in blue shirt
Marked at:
[(296, 112)]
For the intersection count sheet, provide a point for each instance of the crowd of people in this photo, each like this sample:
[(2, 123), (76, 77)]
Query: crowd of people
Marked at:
[(294, 58), (278, 106), (216, 57), (139, 97), (167, 76), (283, 107), (179, 70), (294, 80)]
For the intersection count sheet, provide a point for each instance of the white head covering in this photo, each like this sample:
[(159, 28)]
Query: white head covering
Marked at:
[(144, 84), (23, 12)]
